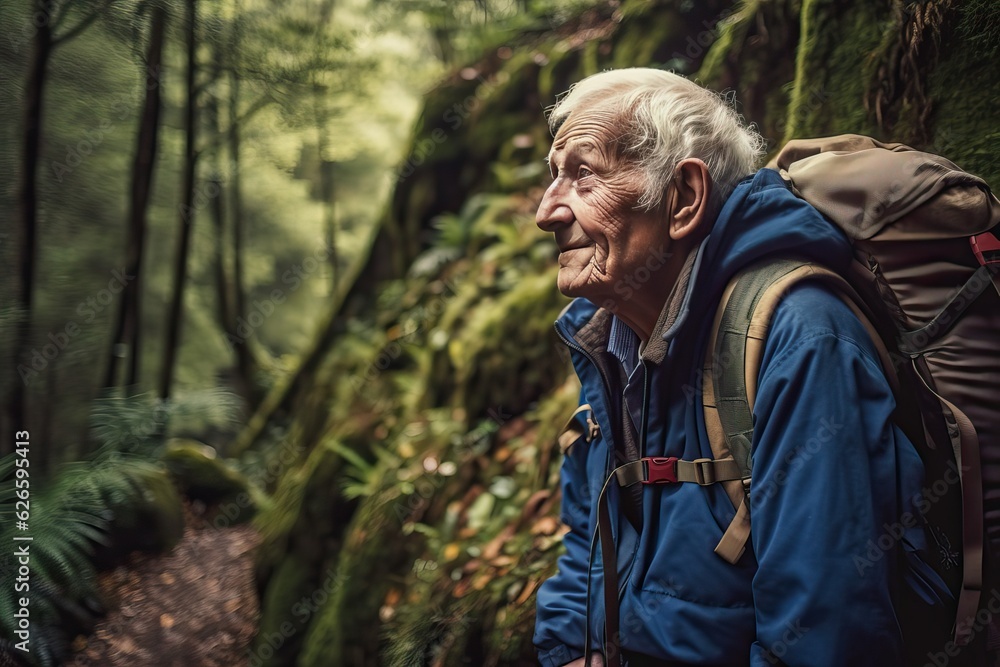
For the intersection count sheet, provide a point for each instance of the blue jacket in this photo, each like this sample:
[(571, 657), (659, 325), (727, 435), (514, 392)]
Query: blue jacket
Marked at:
[(833, 478)]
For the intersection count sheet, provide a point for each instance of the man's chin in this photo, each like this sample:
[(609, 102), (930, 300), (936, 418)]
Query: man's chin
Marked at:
[(569, 285)]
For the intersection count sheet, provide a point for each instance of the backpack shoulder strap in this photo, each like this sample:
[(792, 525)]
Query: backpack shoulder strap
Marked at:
[(574, 430), (732, 361)]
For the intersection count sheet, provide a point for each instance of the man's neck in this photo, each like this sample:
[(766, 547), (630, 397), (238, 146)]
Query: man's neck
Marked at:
[(642, 311)]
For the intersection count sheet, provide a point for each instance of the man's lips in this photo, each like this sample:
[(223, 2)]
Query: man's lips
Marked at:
[(568, 248)]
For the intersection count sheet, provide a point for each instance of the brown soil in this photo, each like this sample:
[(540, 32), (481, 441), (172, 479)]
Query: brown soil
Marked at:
[(193, 607)]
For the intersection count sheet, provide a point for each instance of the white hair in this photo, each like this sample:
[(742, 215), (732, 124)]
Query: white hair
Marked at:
[(666, 118)]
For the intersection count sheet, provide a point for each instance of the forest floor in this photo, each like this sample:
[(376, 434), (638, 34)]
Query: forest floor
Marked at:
[(195, 606)]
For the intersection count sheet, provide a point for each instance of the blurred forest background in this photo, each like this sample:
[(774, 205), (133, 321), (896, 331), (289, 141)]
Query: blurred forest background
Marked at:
[(279, 322)]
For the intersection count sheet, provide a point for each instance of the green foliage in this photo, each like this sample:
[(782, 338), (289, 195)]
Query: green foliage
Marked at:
[(78, 512), (366, 74), (200, 474), (92, 513), (361, 478), (980, 27), (140, 424)]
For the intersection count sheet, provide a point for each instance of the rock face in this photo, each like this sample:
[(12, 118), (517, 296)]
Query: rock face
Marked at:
[(420, 512), (201, 475)]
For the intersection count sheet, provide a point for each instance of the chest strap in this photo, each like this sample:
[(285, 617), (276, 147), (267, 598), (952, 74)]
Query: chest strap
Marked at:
[(647, 470), (671, 470)]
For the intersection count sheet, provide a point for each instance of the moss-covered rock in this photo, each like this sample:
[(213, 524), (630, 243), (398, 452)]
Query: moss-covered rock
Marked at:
[(302, 532), (200, 474), (149, 517)]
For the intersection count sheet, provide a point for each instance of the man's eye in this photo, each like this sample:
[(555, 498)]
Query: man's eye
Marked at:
[(584, 172)]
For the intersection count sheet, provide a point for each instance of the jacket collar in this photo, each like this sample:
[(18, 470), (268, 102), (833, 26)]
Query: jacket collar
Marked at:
[(590, 326)]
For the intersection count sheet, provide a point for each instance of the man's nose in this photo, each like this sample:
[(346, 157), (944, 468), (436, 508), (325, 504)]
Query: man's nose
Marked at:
[(553, 210)]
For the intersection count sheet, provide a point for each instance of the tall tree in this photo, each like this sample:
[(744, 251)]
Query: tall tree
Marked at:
[(127, 329), (321, 112), (186, 209), (46, 19), (244, 357)]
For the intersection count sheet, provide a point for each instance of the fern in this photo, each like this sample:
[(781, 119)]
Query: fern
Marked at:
[(361, 478), (69, 517), (141, 424)]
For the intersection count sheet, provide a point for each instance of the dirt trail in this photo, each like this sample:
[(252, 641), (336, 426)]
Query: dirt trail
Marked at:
[(193, 607)]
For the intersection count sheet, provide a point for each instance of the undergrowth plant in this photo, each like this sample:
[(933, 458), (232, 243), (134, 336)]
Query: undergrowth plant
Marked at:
[(73, 515)]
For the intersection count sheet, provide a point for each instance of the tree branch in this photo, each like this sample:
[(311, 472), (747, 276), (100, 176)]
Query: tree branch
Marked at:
[(82, 25), (255, 108)]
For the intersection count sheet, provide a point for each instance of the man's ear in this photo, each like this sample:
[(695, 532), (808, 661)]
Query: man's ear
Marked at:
[(689, 209)]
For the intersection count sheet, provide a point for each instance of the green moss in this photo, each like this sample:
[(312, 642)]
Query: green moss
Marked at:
[(150, 520), (730, 32), (833, 67), (966, 121), (200, 474), (639, 38), (503, 356), (282, 620), (347, 624)]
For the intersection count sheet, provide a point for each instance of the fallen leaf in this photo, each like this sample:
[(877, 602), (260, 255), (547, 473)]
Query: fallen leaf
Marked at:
[(480, 582), (461, 588), (529, 588), (451, 551), (547, 525)]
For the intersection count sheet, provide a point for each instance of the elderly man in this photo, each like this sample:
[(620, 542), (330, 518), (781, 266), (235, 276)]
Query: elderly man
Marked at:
[(655, 203)]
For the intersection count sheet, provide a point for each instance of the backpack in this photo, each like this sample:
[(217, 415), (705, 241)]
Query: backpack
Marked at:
[(926, 284)]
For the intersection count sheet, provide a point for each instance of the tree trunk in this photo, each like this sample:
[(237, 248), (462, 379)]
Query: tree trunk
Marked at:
[(187, 214), (326, 182), (245, 363), (223, 281), (128, 323), (34, 97), (321, 111), (223, 286)]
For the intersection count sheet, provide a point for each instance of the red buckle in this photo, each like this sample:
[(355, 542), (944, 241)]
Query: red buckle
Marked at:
[(661, 470), (985, 242)]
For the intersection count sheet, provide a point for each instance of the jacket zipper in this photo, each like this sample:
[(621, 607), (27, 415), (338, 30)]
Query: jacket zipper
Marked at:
[(572, 344)]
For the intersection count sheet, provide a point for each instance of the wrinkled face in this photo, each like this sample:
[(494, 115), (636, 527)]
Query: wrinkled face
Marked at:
[(590, 207)]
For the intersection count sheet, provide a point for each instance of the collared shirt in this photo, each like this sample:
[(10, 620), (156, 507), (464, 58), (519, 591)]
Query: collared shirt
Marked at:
[(623, 344)]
